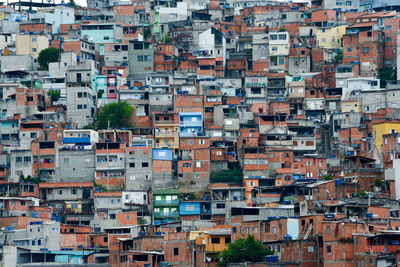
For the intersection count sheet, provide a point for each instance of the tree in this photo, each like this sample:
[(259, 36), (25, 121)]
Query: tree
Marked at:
[(118, 115), (72, 3), (48, 55), (146, 33), (378, 182), (387, 74), (54, 95), (244, 250), (227, 176)]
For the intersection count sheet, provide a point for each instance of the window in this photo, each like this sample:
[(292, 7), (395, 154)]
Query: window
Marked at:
[(220, 205), (140, 58), (132, 165), (33, 49), (112, 216), (310, 249), (176, 251), (33, 39), (201, 142), (255, 230), (366, 50), (233, 230), (18, 159), (281, 60), (80, 95), (106, 38), (282, 36), (273, 37), (23, 203), (215, 240), (79, 106), (328, 230), (349, 49), (388, 39), (328, 249), (74, 191), (198, 164), (66, 160), (59, 192), (248, 230), (145, 164), (274, 49), (219, 153)]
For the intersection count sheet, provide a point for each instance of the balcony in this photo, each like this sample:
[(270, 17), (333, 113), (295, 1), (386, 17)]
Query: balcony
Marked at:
[(172, 214), (76, 140), (174, 202), (381, 249), (190, 123), (166, 134)]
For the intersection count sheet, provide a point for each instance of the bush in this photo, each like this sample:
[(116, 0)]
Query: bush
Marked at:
[(234, 176), (244, 250)]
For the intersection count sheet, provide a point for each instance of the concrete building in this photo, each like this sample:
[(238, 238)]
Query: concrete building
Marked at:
[(61, 14), (102, 33), (141, 57), (30, 44)]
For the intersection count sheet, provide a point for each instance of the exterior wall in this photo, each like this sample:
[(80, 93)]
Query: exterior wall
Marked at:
[(331, 38), (139, 169), (140, 60), (30, 44), (81, 162), (80, 110)]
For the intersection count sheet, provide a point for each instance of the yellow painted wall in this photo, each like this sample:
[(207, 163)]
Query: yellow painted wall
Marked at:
[(350, 106), (26, 44), (332, 37), (381, 129)]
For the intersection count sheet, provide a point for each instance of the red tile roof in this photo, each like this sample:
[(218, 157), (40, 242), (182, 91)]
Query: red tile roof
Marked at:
[(108, 194)]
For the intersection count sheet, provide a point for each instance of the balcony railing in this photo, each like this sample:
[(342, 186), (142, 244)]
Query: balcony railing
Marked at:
[(171, 214), (174, 202)]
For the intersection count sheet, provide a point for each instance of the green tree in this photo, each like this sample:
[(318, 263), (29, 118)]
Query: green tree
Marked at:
[(327, 177), (165, 39), (387, 74), (146, 33), (244, 250), (54, 95), (118, 115), (72, 3), (378, 182), (48, 55), (227, 176)]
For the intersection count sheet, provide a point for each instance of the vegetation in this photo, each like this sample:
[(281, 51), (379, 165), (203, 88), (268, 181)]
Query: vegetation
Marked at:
[(116, 115), (48, 55), (244, 250), (147, 33), (327, 177), (54, 95), (141, 221), (90, 126), (227, 176), (73, 4), (378, 182), (29, 179), (339, 57), (166, 39), (362, 194), (387, 74)]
